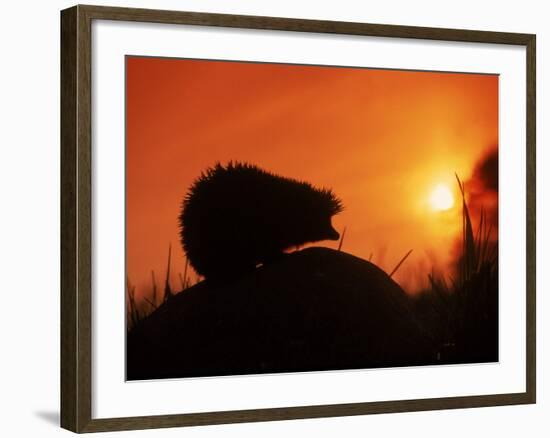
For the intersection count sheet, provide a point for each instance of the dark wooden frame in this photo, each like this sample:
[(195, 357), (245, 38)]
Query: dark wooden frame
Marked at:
[(76, 325)]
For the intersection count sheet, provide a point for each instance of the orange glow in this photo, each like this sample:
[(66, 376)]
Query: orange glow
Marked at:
[(381, 139)]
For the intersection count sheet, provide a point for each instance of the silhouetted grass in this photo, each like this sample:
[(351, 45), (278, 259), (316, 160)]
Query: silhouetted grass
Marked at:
[(341, 240), (400, 263), (461, 313), (139, 310)]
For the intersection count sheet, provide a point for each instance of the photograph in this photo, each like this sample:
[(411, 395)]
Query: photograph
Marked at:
[(293, 218)]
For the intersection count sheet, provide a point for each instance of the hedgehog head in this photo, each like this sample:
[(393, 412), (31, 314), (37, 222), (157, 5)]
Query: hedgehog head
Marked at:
[(317, 208)]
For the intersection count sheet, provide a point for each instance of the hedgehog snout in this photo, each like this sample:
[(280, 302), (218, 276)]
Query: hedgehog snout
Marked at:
[(333, 234)]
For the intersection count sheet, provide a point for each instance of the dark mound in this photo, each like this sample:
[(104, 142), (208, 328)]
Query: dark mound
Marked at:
[(315, 309)]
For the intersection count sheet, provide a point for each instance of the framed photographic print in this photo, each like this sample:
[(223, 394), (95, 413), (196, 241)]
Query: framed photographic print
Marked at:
[(270, 218)]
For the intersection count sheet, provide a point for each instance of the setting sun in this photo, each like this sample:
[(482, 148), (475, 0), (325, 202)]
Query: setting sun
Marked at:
[(441, 198)]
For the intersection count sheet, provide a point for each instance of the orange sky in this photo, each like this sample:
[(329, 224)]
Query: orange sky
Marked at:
[(381, 139)]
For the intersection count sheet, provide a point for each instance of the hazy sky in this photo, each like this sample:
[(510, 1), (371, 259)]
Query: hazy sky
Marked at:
[(382, 140)]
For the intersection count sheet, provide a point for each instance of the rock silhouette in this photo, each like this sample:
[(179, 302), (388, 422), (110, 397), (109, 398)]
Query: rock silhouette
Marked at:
[(315, 309)]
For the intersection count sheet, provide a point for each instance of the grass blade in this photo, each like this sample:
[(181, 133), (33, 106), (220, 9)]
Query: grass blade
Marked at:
[(400, 263)]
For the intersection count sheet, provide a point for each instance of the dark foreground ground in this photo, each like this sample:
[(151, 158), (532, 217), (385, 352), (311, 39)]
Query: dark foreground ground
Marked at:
[(312, 310)]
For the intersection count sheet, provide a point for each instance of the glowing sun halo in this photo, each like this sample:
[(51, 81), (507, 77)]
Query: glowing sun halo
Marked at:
[(441, 198)]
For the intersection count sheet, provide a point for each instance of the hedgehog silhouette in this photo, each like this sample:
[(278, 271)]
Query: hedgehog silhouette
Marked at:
[(238, 216)]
